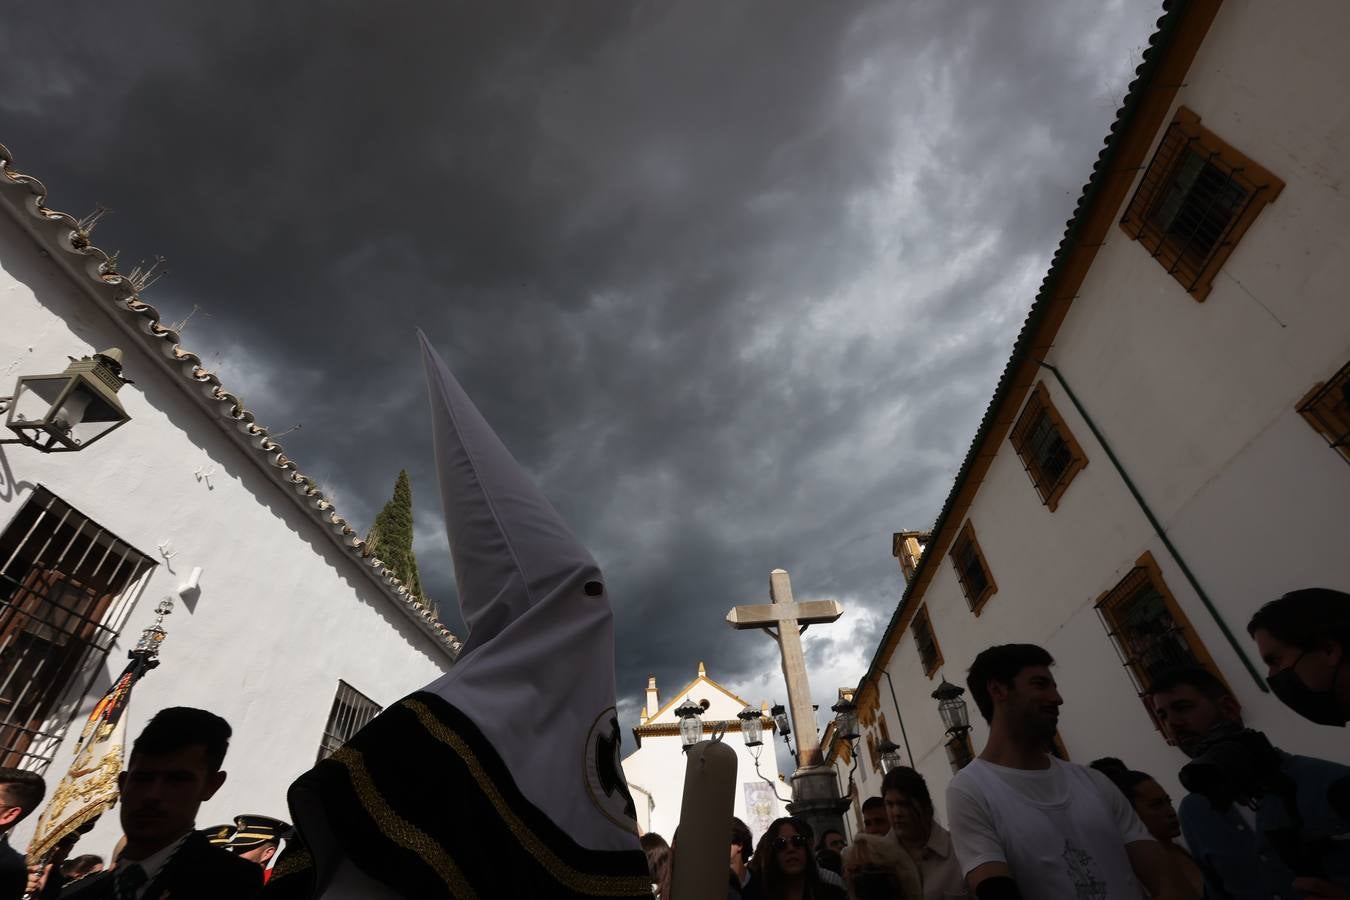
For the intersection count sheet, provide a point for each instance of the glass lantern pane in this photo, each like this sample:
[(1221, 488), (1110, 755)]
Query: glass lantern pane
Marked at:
[(752, 730), (691, 729), (88, 416), (34, 398)]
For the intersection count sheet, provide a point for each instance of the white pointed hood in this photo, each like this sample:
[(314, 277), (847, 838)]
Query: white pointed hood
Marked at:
[(536, 673)]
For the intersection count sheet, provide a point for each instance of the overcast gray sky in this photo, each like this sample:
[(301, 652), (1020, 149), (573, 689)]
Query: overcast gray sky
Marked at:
[(734, 280)]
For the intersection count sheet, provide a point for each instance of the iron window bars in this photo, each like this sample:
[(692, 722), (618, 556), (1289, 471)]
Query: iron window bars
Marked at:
[(971, 569), (1327, 409), (352, 711), (1197, 198), (1049, 452), (929, 652), (1149, 631), (960, 751), (67, 585)]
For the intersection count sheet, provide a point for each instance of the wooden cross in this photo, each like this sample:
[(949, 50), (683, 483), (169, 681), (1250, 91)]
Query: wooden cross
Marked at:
[(791, 619)]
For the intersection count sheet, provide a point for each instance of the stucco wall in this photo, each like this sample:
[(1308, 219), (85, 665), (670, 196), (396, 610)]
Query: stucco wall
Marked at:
[(1198, 402), (282, 614)]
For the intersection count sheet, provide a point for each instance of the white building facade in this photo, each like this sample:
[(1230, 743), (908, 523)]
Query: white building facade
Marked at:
[(286, 629), (655, 771), (1167, 448)]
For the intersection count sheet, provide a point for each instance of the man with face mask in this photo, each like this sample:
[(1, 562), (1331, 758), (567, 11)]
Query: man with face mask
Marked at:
[(1303, 638), (1260, 822)]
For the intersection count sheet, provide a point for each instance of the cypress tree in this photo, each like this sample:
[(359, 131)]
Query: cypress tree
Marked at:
[(391, 539)]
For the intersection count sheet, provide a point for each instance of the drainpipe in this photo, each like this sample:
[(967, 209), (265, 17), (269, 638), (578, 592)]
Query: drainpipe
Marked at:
[(898, 717), (1158, 530)]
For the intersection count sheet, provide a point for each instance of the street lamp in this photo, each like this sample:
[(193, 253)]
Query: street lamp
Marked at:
[(780, 721), (890, 756), (752, 732), (691, 726), (952, 709), (845, 719), (752, 729), (66, 412)]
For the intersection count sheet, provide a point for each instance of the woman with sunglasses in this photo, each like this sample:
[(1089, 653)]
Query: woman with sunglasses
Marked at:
[(784, 868)]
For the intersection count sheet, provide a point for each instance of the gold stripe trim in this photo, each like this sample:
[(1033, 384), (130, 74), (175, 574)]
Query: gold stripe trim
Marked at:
[(399, 829), (292, 863), (595, 885)]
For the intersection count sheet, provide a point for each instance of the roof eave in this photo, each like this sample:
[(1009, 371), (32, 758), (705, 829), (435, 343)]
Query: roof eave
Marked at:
[(1171, 49), (60, 237)]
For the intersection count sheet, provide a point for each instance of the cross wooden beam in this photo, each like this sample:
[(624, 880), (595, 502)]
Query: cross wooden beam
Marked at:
[(790, 619)]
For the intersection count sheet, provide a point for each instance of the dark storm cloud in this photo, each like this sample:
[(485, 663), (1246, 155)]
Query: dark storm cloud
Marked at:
[(734, 280)]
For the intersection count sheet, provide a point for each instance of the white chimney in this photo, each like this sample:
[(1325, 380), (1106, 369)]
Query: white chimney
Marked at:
[(653, 703)]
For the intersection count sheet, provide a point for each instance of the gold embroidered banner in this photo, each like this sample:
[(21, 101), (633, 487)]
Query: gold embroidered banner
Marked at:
[(90, 786)]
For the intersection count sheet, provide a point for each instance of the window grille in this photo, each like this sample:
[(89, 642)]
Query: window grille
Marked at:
[(971, 569), (1048, 450), (352, 711), (1327, 409), (960, 751), (929, 653), (66, 587), (1195, 201), (1148, 629)]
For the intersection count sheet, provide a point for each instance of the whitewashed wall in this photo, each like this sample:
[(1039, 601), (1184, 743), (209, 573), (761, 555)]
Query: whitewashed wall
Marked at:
[(283, 613), (1198, 402), (658, 765)]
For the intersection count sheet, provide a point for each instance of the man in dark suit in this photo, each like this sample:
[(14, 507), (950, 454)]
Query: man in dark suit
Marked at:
[(20, 793), (175, 766)]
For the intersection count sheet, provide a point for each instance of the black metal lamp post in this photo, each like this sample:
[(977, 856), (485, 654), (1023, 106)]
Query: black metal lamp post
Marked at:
[(845, 720), (956, 716), (780, 722), (752, 728), (889, 752), (691, 723), (68, 411)]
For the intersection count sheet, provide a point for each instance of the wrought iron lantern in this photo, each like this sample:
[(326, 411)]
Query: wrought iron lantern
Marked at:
[(889, 755), (752, 728), (66, 412), (691, 725), (780, 720), (952, 707), (846, 720)]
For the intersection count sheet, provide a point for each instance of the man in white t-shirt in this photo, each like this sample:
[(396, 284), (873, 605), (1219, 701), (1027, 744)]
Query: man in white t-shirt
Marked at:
[(1027, 825)]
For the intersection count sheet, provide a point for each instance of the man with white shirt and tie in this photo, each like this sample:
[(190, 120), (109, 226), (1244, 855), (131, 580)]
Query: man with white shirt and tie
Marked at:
[(175, 766)]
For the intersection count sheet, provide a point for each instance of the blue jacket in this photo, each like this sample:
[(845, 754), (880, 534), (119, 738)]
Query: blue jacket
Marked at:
[(1241, 864)]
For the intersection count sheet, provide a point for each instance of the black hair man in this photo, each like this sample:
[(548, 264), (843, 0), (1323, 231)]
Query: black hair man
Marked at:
[(1303, 638), (1260, 822), (1026, 824), (174, 767)]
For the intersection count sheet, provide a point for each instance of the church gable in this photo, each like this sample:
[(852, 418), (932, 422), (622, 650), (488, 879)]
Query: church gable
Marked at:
[(722, 704)]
